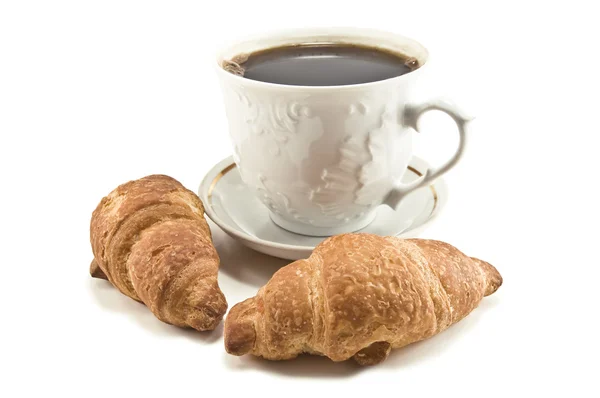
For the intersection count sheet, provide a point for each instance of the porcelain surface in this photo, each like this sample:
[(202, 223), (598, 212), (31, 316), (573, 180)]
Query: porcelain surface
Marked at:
[(229, 203), (323, 159)]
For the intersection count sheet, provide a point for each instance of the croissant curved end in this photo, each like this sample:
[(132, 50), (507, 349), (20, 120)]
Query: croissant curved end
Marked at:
[(239, 331), (96, 271), (493, 277), (373, 354), (206, 307)]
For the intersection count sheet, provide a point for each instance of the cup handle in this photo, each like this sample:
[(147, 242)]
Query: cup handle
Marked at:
[(412, 113)]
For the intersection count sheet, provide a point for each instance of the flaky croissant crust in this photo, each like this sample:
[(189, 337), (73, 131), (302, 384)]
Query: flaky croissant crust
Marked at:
[(151, 241), (358, 296)]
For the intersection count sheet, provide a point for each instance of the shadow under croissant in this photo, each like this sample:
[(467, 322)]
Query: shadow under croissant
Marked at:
[(109, 298), (302, 366)]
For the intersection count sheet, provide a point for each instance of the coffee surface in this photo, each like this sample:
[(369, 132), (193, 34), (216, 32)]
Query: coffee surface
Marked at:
[(323, 65)]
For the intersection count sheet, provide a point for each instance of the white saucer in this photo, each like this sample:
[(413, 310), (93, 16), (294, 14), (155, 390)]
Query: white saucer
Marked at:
[(234, 208)]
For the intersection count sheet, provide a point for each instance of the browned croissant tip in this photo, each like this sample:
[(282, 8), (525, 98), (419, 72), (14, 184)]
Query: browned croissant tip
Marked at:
[(205, 322), (373, 354), (239, 339), (239, 331), (493, 277), (96, 271), (207, 315)]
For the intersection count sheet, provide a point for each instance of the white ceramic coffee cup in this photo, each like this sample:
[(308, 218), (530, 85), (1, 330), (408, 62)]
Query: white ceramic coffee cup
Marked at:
[(323, 158)]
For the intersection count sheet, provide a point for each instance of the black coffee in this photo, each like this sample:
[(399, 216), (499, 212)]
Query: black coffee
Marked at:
[(332, 64)]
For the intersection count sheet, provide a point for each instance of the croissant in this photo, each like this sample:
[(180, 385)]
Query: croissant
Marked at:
[(151, 241), (358, 296)]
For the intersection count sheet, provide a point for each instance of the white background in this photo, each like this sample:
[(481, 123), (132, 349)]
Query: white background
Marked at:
[(95, 93)]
